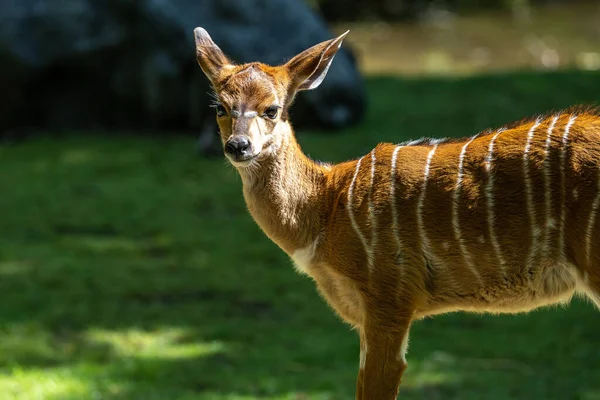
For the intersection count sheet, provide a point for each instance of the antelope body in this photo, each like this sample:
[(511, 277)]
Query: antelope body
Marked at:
[(503, 222)]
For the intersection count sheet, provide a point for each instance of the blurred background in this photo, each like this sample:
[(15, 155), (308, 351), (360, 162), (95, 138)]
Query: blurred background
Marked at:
[(129, 266)]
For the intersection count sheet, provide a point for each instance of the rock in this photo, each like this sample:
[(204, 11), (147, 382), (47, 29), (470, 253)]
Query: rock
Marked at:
[(130, 64)]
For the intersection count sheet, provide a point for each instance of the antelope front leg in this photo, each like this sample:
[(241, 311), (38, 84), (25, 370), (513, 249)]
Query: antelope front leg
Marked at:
[(382, 361)]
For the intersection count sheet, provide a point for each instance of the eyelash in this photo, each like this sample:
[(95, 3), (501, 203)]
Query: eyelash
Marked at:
[(221, 111)]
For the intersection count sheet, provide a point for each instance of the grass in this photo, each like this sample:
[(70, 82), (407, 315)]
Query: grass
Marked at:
[(130, 269)]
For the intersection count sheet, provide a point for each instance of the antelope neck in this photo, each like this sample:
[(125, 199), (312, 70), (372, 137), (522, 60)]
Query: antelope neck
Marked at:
[(285, 194)]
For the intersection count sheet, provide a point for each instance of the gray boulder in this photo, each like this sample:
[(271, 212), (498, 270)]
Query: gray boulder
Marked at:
[(130, 64)]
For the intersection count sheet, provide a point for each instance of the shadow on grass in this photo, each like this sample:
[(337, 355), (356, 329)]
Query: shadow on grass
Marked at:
[(130, 269)]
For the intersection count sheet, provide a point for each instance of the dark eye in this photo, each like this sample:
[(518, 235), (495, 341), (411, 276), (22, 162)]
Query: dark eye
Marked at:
[(220, 110), (271, 112)]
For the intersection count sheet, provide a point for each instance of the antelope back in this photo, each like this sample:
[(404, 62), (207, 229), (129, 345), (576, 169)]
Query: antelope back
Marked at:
[(503, 220)]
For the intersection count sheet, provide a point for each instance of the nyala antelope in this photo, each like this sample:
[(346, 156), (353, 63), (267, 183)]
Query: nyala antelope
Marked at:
[(500, 222)]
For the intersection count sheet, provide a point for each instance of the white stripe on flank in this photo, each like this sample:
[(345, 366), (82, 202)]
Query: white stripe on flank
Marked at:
[(455, 220), (535, 231), (393, 200), (548, 194), (353, 219), (425, 244), (489, 195), (563, 195), (372, 206), (591, 221)]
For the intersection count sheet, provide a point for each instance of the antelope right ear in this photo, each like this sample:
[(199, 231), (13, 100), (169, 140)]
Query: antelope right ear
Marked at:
[(308, 69), (210, 57)]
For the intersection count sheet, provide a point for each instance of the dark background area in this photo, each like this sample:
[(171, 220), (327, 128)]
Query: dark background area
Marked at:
[(129, 265)]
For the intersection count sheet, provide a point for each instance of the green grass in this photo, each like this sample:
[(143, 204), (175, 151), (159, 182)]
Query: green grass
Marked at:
[(130, 269)]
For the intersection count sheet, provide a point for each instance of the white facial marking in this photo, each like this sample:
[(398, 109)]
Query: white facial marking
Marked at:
[(590, 224), (425, 244), (547, 188), (393, 200), (455, 220), (489, 194), (353, 219), (250, 114), (563, 166), (529, 197)]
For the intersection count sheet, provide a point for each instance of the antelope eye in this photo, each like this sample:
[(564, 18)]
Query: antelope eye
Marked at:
[(271, 112), (220, 110)]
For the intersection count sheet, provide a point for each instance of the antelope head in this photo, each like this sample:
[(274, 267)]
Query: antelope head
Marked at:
[(253, 99)]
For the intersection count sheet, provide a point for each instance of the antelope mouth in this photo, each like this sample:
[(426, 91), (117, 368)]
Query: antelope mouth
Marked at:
[(243, 161)]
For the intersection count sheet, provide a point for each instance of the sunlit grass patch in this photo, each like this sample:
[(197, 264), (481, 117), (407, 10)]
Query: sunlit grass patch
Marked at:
[(44, 384), (437, 369), (164, 343)]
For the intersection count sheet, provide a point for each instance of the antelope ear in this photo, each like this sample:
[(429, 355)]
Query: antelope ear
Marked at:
[(308, 69), (210, 57)]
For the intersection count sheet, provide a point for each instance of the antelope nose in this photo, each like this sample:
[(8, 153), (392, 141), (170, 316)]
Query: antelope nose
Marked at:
[(237, 146)]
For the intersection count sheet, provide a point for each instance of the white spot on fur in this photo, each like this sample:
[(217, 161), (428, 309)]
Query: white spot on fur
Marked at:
[(424, 141), (481, 239), (437, 141), (563, 166), (303, 257), (446, 246), (403, 348), (425, 244), (363, 355), (489, 194), (250, 114)]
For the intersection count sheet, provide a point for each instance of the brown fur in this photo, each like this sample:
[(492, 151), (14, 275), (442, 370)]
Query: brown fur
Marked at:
[(370, 281)]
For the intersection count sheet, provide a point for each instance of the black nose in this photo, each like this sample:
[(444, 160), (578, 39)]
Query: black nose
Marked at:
[(237, 146)]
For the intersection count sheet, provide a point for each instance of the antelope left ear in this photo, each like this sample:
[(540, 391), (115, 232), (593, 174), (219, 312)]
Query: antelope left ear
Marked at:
[(308, 69), (209, 55)]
